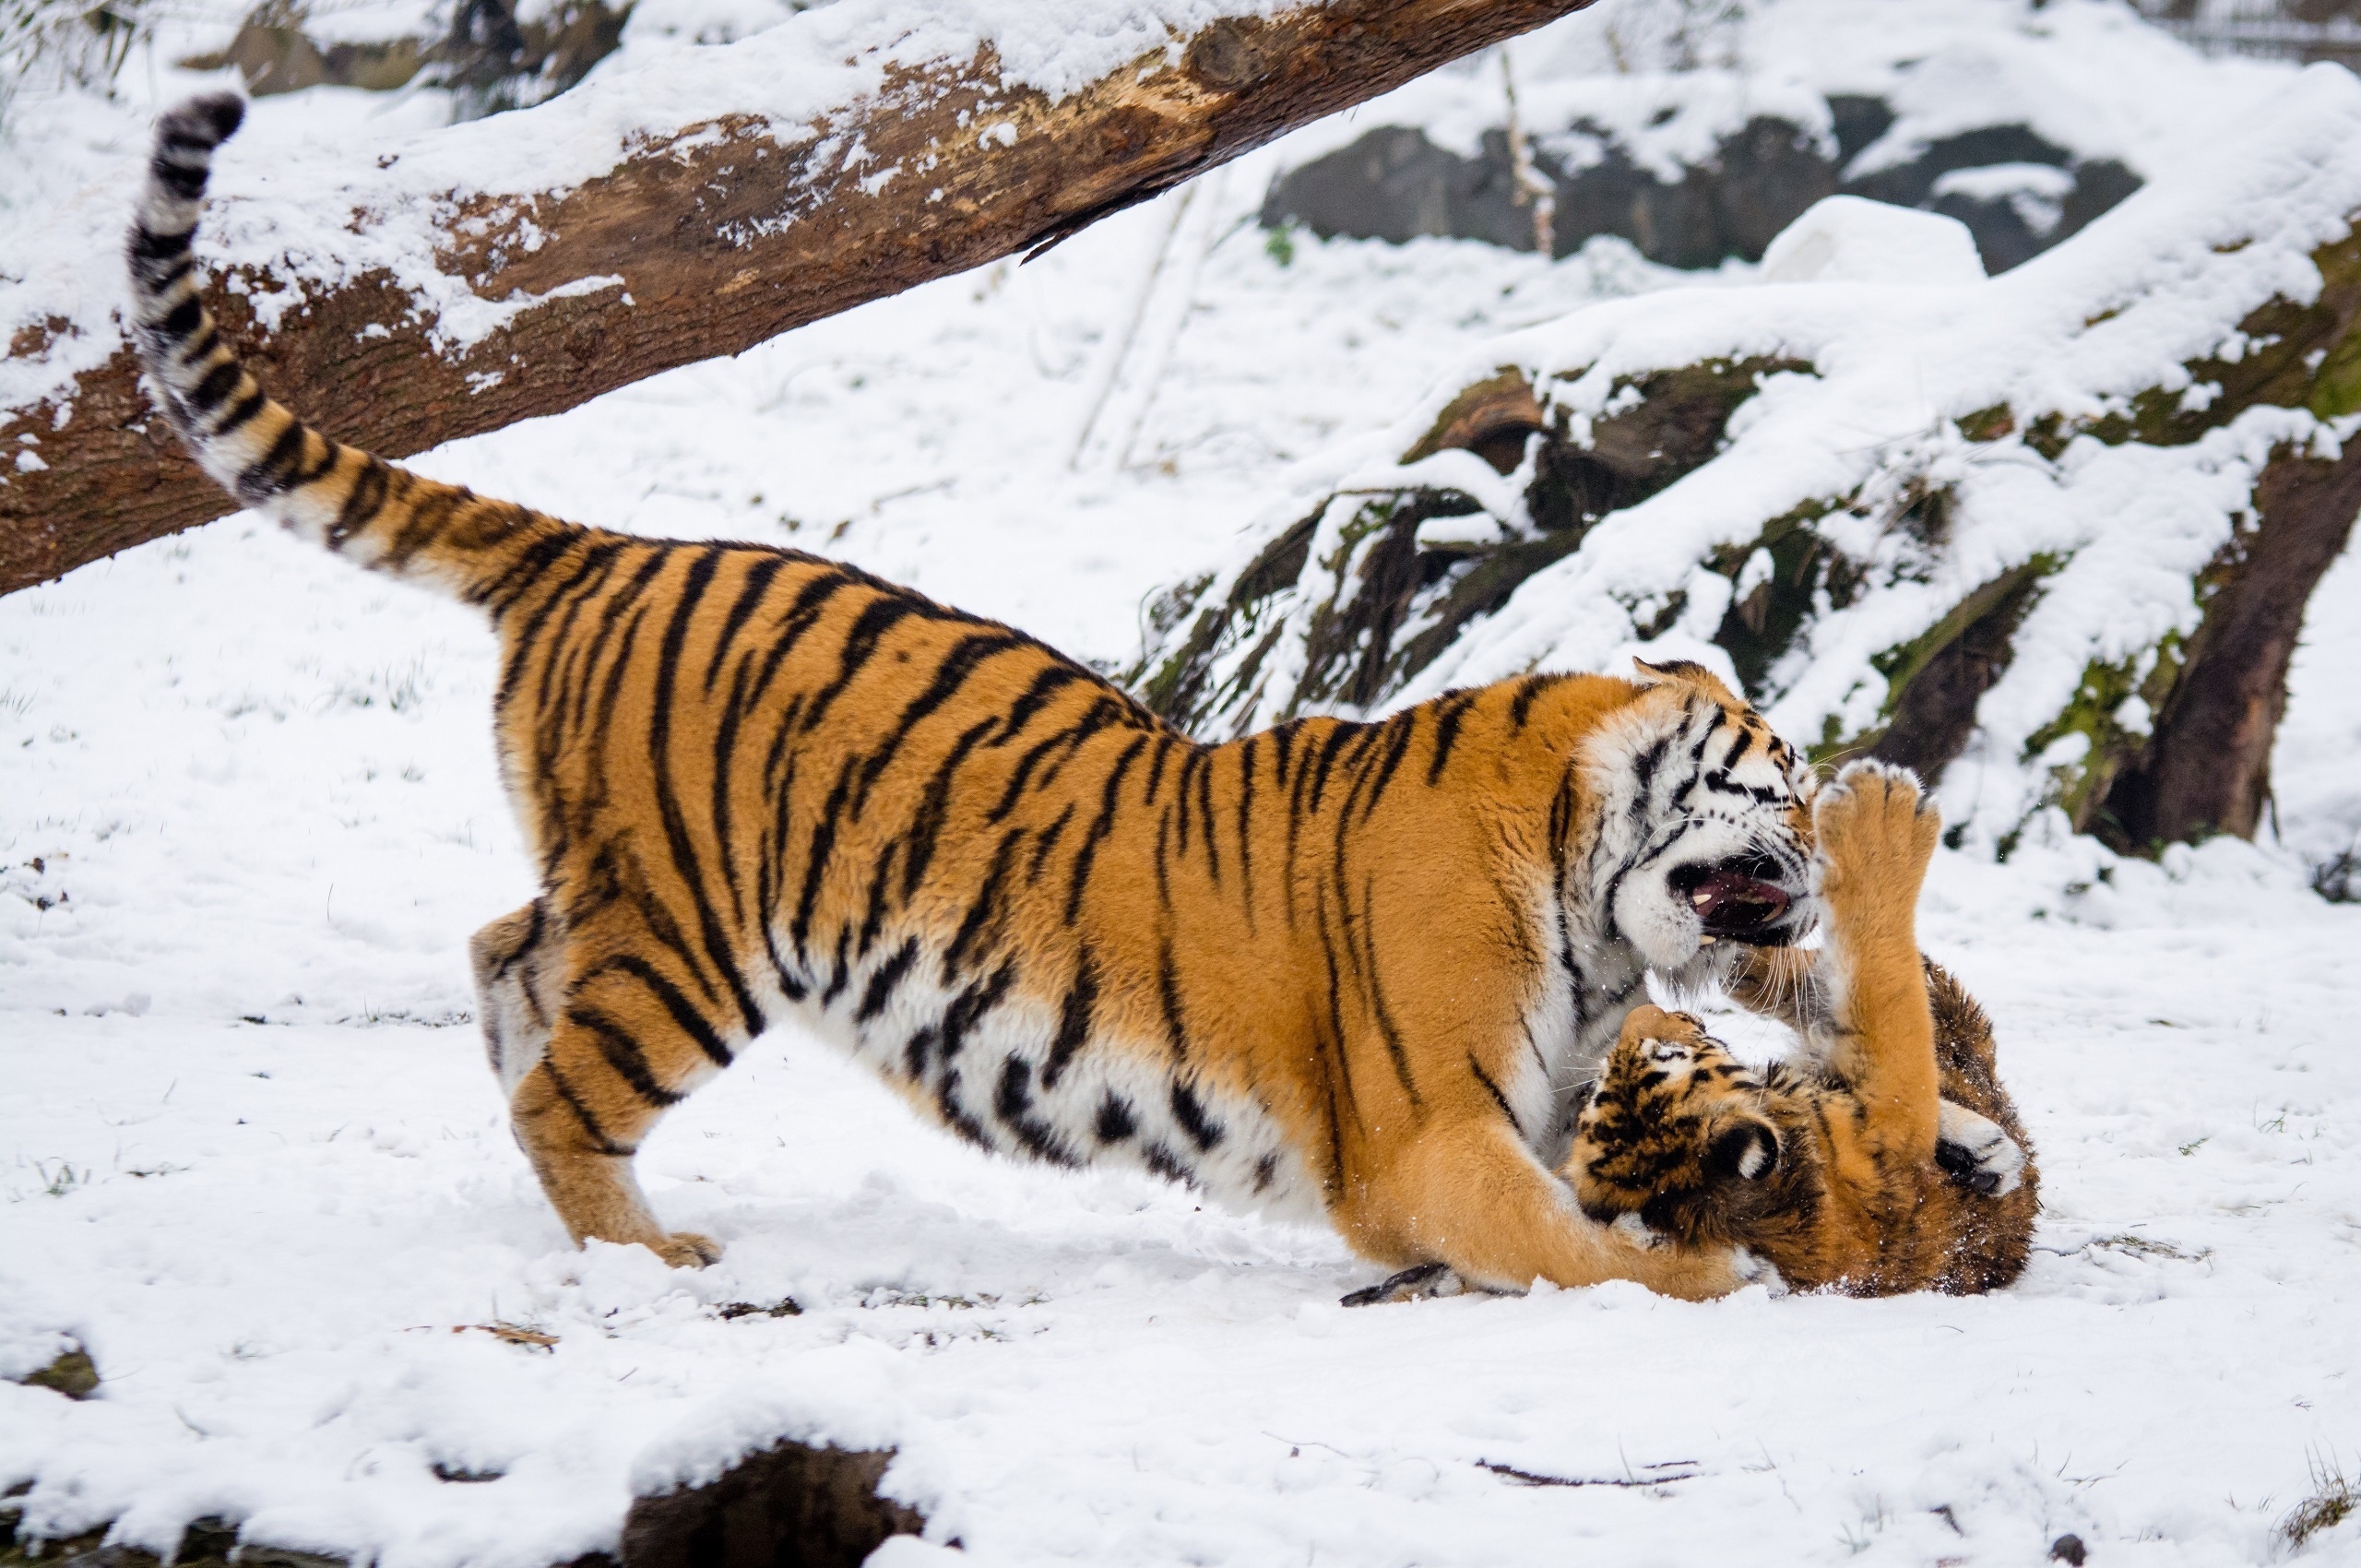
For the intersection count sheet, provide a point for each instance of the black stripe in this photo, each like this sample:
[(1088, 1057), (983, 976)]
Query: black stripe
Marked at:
[(622, 1053), (968, 1008), (1013, 1101), (1046, 842), (823, 844), (750, 594), (914, 1053), (431, 521), (840, 971), (1167, 993), (1246, 826), (202, 346), (934, 806), (1188, 1110), (182, 319), (691, 1022), (1024, 770), (1447, 714), (881, 616), (146, 245), (241, 415), (185, 183), (596, 564), (1164, 745), (1643, 773), (581, 1112), (811, 603), (949, 675), (273, 473), (1337, 737), (1494, 1090), (723, 773), (1100, 827), (217, 385), (873, 919), (1115, 1121), (1527, 690), (887, 979), (987, 904), (1402, 727), (1046, 684), (367, 498), (1075, 1019), (1205, 808), (1386, 1028), (685, 860)]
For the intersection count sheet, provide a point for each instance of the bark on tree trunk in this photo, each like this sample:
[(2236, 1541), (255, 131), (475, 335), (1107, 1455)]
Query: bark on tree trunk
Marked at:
[(2207, 768), (716, 239)]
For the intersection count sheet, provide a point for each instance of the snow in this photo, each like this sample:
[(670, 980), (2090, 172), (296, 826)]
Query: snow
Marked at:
[(1844, 238), (253, 1158)]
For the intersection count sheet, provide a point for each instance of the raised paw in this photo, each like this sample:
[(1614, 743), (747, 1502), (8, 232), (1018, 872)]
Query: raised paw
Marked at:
[(1875, 831), (1976, 1153), (686, 1249)]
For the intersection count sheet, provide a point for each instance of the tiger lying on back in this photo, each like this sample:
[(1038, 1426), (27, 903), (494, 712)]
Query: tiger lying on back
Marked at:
[(1840, 1166), (1339, 970)]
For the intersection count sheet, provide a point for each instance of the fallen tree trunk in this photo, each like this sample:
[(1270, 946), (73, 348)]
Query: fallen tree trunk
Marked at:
[(698, 239), (2061, 524)]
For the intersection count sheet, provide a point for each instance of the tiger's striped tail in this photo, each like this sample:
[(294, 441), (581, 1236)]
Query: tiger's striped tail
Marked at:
[(379, 513)]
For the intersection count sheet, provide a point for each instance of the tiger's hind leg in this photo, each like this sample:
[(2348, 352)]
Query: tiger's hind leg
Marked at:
[(628, 1040), (517, 961)]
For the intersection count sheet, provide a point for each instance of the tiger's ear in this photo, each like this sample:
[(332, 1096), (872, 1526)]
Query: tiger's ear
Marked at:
[(1685, 673), (1744, 1146)]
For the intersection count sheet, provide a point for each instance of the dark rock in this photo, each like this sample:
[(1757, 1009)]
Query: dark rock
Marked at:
[(489, 59), (1395, 184), (2067, 1550), (790, 1506)]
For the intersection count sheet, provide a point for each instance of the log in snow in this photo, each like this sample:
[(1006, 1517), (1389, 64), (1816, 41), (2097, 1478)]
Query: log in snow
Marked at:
[(518, 265), (2047, 535)]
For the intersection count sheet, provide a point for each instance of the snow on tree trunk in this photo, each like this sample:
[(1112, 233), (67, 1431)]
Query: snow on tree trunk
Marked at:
[(2047, 535)]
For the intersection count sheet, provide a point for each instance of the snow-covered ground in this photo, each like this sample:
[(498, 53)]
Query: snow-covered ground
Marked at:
[(251, 1158)]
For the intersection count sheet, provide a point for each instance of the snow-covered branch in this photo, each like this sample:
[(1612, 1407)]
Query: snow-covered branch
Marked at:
[(517, 266)]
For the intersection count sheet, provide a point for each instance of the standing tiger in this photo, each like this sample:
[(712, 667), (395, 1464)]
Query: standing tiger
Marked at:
[(1337, 970)]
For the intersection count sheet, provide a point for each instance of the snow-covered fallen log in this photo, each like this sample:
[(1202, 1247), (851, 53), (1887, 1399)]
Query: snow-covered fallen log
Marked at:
[(2048, 534), (685, 209)]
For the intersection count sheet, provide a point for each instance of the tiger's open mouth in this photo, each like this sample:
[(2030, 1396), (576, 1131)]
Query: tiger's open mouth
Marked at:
[(1732, 902)]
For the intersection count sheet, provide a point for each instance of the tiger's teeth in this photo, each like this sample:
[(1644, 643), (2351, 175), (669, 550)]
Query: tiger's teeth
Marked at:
[(1707, 941), (1701, 897)]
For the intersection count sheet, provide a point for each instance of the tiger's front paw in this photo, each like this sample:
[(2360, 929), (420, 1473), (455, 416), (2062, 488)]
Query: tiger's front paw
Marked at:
[(686, 1249), (1976, 1153), (1876, 832)]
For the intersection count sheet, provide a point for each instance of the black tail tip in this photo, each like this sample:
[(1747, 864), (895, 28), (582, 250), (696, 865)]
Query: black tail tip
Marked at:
[(202, 124)]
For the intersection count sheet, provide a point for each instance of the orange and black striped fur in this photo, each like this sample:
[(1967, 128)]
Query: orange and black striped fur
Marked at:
[(1350, 971), (1885, 1157)]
